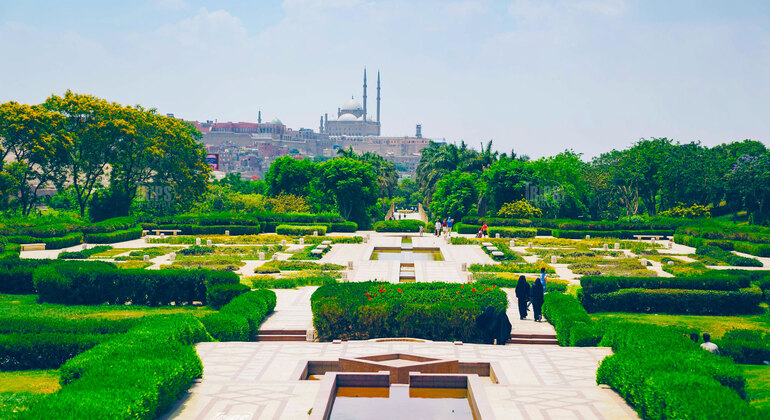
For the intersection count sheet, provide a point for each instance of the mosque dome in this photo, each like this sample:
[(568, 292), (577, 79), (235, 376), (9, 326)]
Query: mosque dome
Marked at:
[(347, 117), (351, 105), (276, 121)]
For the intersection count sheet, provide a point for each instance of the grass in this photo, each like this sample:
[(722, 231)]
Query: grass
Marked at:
[(132, 265), (112, 253), (594, 266), (207, 262), (152, 252), (266, 238), (32, 381), (714, 325), (11, 305), (758, 386)]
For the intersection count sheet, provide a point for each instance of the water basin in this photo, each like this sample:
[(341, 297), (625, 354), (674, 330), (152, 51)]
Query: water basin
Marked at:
[(400, 402), (416, 254)]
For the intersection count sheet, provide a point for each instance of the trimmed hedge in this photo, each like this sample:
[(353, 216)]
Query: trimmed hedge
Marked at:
[(113, 237), (664, 375), (466, 229), (43, 350), (343, 227), (227, 327), (253, 306), (221, 294), (434, 311), (16, 276), (511, 232), (66, 241), (300, 230), (620, 234), (84, 254), (676, 301), (489, 279), (137, 375), (572, 323), (727, 257), (746, 346), (210, 229), (43, 323), (406, 225), (78, 285), (759, 250), (718, 281), (111, 225)]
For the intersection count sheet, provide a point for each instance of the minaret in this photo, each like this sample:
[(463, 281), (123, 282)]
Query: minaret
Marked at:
[(378, 97), (259, 117), (364, 93), (321, 125)]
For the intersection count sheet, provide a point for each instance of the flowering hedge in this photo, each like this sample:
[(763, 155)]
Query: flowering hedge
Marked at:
[(434, 311)]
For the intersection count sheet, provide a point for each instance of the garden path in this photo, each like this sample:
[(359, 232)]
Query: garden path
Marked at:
[(292, 310), (528, 325)]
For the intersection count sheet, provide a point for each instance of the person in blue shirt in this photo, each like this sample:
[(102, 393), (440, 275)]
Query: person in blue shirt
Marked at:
[(449, 224), (542, 278)]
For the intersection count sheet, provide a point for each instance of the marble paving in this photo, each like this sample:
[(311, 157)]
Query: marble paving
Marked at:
[(255, 380)]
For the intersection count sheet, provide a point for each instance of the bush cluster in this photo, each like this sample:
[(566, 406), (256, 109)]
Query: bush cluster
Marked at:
[(727, 256), (519, 210), (746, 346), (66, 241), (406, 225), (300, 230), (511, 232), (434, 311), (221, 294), (28, 351), (620, 234), (209, 229), (664, 375), (77, 284), (83, 254), (572, 323), (16, 276), (115, 236), (689, 212), (509, 281), (252, 306)]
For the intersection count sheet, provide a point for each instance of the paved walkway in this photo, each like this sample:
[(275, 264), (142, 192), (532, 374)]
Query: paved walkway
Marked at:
[(528, 325), (292, 310), (255, 380)]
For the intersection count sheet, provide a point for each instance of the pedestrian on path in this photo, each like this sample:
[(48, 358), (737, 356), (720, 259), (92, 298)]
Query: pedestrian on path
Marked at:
[(522, 296), (542, 277), (484, 229), (503, 328), (449, 225), (537, 300), (438, 227)]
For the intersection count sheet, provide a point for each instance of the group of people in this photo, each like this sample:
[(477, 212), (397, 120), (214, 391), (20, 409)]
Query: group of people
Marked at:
[(707, 344), (482, 233), (444, 226), (534, 295)]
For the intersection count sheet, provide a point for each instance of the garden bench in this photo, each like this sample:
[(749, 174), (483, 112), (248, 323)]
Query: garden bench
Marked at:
[(656, 237), (486, 243), (317, 251), (326, 243), (322, 247), (32, 247), (172, 231), (144, 233), (497, 254), (492, 248)]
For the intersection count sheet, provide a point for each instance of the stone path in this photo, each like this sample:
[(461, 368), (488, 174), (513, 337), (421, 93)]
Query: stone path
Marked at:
[(292, 310), (259, 380), (528, 325)]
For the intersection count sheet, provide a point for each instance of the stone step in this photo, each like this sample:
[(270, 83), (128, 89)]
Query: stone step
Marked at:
[(281, 337), (282, 332), (532, 341), (534, 335)]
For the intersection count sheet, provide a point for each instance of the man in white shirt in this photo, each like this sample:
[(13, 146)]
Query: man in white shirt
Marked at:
[(708, 345)]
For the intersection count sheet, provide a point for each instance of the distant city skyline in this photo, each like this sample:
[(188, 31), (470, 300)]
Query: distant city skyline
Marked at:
[(537, 77)]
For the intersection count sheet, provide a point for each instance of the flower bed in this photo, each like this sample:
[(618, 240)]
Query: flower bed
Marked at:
[(434, 311)]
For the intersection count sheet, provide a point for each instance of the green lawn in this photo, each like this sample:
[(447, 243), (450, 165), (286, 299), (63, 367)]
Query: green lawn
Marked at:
[(11, 305), (758, 386), (714, 325), (32, 381)]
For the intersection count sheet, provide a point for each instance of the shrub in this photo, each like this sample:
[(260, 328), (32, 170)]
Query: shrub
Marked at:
[(509, 280), (113, 237), (16, 277), (717, 281), (221, 294), (434, 311), (226, 327), (42, 323), (211, 229), (621, 234), (343, 227), (511, 232), (110, 225), (76, 284), (253, 306), (276, 266), (519, 210), (66, 241), (675, 301), (406, 225), (466, 229), (564, 312), (300, 230), (746, 346), (764, 285), (84, 254), (694, 211), (727, 257), (43, 350), (292, 280), (663, 374)]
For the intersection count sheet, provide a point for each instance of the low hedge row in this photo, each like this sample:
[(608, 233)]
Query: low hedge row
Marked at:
[(16, 275), (466, 229), (746, 346), (137, 375), (664, 375), (510, 282), (730, 232), (252, 306), (42, 323), (406, 225), (657, 223), (43, 350), (511, 232), (717, 281), (572, 323), (208, 229), (676, 301), (756, 249), (727, 257), (764, 285), (83, 254), (620, 234), (113, 237), (300, 230), (76, 284), (66, 241), (221, 294), (434, 311), (111, 225)]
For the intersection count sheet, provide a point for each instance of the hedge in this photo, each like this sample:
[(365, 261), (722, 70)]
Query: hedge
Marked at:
[(253, 306), (221, 294), (41, 323), (138, 375), (343, 227), (208, 219), (572, 323), (227, 327), (727, 257), (498, 280), (717, 281), (676, 301), (300, 230), (113, 237), (43, 350), (16, 276), (656, 223), (66, 241), (434, 311), (620, 234), (746, 346), (731, 232), (77, 285), (406, 225), (759, 250), (665, 375), (511, 232), (764, 284), (83, 254), (466, 229), (210, 229), (111, 225)]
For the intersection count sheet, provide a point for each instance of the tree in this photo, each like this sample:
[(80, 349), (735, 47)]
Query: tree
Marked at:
[(30, 137), (291, 176), (643, 162), (750, 177), (438, 160), (508, 180), (455, 195), (353, 185), (387, 173)]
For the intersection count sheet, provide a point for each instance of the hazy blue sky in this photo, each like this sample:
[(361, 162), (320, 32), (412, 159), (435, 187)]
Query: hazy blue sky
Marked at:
[(534, 76)]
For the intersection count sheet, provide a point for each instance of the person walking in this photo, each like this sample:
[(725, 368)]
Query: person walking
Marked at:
[(537, 300), (438, 227), (484, 229), (522, 296), (542, 277), (449, 225)]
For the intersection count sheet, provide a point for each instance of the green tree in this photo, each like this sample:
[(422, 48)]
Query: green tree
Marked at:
[(291, 176), (455, 195), (750, 177), (353, 185), (507, 180), (387, 174)]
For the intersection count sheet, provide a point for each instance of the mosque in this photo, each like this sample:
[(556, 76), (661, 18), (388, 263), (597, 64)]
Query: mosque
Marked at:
[(352, 118)]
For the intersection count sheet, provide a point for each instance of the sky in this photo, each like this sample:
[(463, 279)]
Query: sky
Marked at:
[(536, 77)]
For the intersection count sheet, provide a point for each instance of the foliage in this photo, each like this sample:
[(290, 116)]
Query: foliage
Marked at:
[(84, 254), (519, 210), (511, 232), (509, 280), (253, 306), (43, 351), (435, 311), (113, 237), (455, 194), (572, 324), (353, 186), (300, 230), (405, 225), (288, 175), (221, 294), (746, 346), (727, 257), (276, 266), (689, 212), (696, 302), (292, 280)]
